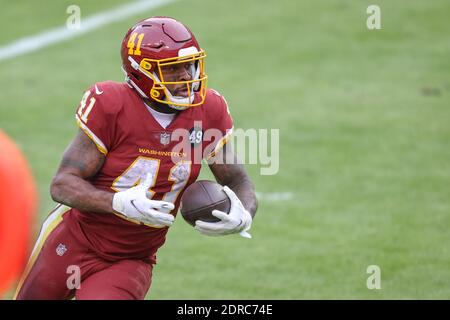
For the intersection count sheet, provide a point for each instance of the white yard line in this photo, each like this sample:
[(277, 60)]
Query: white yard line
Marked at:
[(88, 24), (275, 196)]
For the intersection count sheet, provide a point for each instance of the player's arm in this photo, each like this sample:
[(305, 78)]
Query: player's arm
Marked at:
[(81, 161), (70, 186), (240, 190), (235, 177)]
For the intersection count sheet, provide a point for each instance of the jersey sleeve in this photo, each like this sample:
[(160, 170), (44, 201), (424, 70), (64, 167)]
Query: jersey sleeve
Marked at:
[(96, 116), (220, 120)]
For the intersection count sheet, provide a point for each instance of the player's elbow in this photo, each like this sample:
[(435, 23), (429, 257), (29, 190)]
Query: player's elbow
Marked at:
[(256, 204), (56, 188)]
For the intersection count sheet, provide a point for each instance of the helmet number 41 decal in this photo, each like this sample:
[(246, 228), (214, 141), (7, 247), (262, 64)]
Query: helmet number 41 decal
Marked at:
[(131, 41)]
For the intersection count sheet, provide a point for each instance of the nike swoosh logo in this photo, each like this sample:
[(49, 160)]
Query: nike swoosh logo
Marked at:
[(98, 91), (132, 203)]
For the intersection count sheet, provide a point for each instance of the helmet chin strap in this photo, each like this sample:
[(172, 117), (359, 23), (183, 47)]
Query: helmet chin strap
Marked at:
[(181, 100)]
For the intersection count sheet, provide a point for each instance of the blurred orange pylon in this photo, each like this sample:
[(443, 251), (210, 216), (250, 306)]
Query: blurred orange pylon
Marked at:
[(18, 204)]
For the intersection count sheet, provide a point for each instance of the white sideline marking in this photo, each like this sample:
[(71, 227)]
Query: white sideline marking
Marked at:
[(46, 38), (274, 197)]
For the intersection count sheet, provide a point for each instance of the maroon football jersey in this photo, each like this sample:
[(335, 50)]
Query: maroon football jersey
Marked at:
[(115, 117)]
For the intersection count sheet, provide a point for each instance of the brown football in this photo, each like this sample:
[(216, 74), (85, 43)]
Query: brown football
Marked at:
[(200, 199)]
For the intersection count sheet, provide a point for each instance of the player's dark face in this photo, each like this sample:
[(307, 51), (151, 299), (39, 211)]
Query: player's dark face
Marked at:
[(178, 72)]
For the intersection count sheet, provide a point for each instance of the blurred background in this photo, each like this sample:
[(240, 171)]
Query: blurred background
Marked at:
[(364, 119)]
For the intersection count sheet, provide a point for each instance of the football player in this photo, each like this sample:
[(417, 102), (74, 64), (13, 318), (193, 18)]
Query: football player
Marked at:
[(119, 184)]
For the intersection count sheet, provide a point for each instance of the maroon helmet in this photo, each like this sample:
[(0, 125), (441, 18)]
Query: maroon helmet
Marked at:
[(153, 47)]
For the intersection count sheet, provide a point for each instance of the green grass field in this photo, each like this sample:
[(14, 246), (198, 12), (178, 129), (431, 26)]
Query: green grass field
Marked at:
[(364, 119)]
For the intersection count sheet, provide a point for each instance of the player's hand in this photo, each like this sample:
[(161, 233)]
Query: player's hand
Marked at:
[(238, 220), (133, 204)]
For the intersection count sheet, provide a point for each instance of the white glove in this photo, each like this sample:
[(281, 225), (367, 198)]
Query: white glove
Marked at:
[(238, 220), (134, 204)]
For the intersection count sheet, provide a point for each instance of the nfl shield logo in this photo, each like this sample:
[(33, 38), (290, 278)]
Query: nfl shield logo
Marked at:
[(61, 249), (164, 138)]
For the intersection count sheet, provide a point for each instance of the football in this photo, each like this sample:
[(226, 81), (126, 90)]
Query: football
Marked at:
[(200, 199)]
